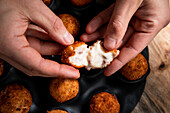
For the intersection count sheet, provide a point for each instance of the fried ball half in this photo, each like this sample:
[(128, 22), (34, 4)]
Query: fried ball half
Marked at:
[(47, 2), (1, 66), (75, 55), (57, 111), (136, 68), (63, 89), (104, 102), (71, 24), (92, 57), (80, 2), (99, 57), (15, 99)]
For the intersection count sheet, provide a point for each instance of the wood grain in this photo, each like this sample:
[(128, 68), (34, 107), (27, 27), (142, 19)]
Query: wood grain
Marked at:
[(156, 96)]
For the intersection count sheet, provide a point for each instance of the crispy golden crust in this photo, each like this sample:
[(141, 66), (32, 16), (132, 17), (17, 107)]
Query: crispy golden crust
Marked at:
[(71, 24), (69, 51), (1, 66), (15, 99), (57, 111), (136, 68), (47, 2), (80, 2), (63, 89), (104, 103)]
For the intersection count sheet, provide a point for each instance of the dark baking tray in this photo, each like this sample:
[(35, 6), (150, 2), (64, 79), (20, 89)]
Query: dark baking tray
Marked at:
[(127, 93), (91, 82)]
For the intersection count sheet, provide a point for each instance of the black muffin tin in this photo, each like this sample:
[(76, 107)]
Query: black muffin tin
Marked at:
[(91, 82)]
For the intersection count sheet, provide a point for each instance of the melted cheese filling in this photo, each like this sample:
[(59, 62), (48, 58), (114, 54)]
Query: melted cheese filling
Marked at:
[(93, 57), (80, 57)]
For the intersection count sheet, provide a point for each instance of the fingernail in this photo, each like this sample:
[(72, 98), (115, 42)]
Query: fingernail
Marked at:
[(68, 38), (76, 75)]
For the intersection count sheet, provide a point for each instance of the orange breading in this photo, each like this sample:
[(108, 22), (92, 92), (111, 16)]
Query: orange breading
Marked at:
[(47, 2), (136, 68), (80, 2), (104, 102), (63, 89), (71, 24), (15, 99), (57, 111), (69, 51)]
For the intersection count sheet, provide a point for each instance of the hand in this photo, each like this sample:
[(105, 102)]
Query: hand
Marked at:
[(24, 52), (132, 24)]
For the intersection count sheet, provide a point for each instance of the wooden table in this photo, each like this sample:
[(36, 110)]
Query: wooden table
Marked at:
[(156, 96)]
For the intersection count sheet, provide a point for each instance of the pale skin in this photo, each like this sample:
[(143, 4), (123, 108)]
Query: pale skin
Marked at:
[(128, 25), (23, 49), (22, 44)]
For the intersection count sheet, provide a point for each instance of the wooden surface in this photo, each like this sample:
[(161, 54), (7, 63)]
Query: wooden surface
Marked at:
[(156, 96)]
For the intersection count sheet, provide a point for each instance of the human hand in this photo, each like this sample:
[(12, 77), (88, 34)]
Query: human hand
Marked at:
[(24, 52), (132, 24)]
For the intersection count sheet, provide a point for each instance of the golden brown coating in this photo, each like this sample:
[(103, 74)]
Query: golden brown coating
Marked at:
[(136, 68), (104, 102), (15, 99), (80, 2), (63, 89), (69, 51), (71, 24), (1, 66), (47, 2), (57, 111)]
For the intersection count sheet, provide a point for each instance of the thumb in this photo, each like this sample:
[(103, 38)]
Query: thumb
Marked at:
[(41, 15), (122, 14)]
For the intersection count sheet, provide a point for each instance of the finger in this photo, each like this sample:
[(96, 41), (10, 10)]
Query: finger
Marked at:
[(46, 19), (99, 20), (122, 14), (126, 37), (145, 26), (45, 48), (94, 36), (135, 45), (35, 31), (31, 73), (35, 65)]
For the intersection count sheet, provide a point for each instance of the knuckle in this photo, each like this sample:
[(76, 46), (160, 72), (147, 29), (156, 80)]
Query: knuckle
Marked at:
[(37, 69), (147, 26), (57, 23), (132, 48), (33, 71), (117, 26), (151, 25)]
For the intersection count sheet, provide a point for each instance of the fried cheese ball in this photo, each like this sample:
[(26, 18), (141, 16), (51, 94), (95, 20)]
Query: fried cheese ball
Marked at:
[(64, 89), (92, 57), (1, 66), (57, 111), (71, 24), (104, 102), (15, 99), (47, 2), (80, 2), (136, 68)]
